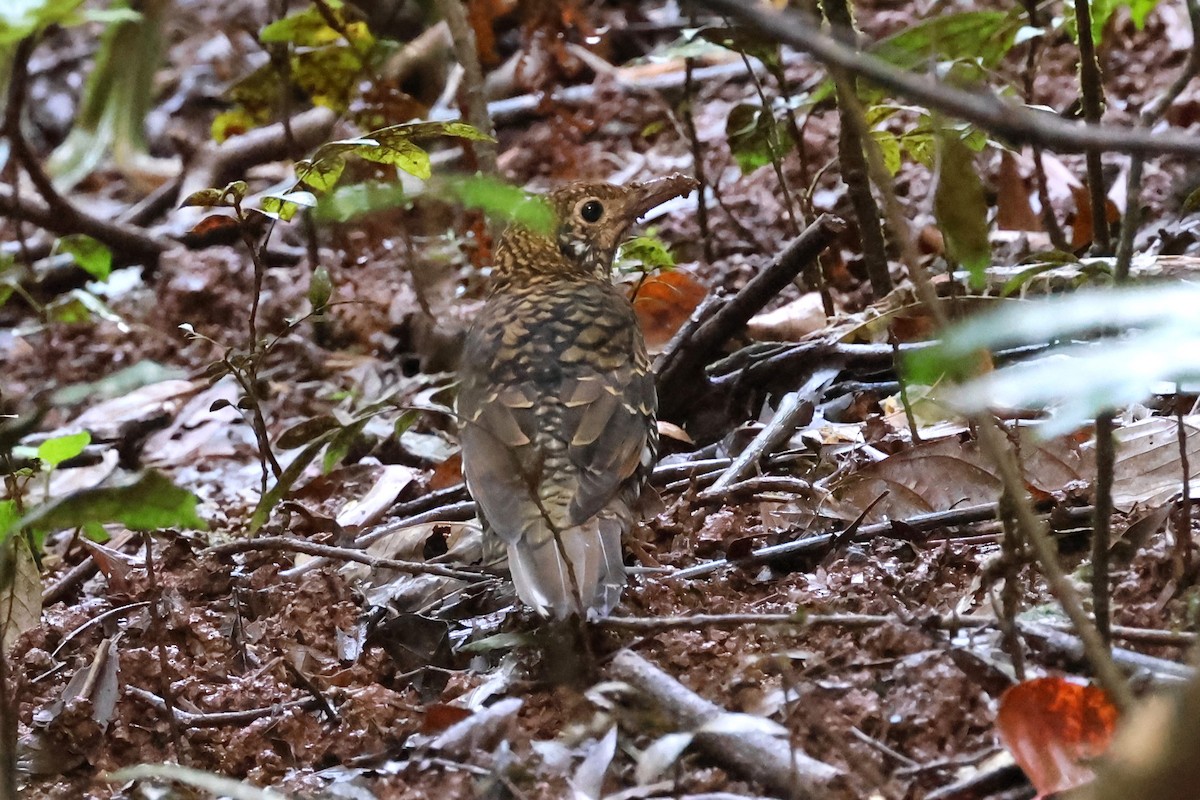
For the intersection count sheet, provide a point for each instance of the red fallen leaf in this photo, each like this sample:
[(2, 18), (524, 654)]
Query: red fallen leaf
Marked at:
[(447, 474), (440, 716), (483, 16), (1053, 727), (212, 224), (664, 302), (1013, 210), (1083, 230)]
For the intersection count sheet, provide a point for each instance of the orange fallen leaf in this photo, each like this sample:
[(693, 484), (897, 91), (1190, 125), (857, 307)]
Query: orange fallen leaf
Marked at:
[(440, 716), (664, 302), (1054, 727), (446, 474), (1013, 209)]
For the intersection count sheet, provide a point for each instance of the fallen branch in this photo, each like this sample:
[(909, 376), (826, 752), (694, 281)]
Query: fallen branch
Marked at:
[(692, 622), (794, 408), (217, 719), (1068, 649), (217, 164), (679, 375), (822, 542), (54, 212), (757, 756), (128, 243), (325, 551)]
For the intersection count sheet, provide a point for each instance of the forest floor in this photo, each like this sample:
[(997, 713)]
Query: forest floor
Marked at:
[(356, 681)]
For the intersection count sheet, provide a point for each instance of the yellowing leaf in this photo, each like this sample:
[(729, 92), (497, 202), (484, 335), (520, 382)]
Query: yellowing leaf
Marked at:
[(961, 208), (20, 590)]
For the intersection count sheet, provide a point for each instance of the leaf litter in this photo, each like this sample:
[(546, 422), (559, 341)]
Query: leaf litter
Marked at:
[(241, 636)]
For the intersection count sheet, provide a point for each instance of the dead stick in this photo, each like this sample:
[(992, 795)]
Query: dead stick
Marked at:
[(757, 756), (690, 359)]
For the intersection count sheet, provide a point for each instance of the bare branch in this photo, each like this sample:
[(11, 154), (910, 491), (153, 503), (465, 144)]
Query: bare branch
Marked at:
[(1012, 121)]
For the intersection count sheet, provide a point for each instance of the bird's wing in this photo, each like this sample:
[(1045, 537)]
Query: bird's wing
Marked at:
[(515, 470), (500, 462), (607, 424)]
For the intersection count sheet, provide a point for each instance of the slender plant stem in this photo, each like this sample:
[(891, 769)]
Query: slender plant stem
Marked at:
[(1093, 109)]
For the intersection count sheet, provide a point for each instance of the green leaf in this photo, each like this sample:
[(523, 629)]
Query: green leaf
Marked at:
[(404, 422), (645, 254), (978, 38), (80, 306), (340, 445), (320, 289), (304, 432), (53, 452), (328, 75), (889, 149), (984, 37), (236, 121), (284, 206), (348, 202), (205, 198), (1102, 10), (92, 257), (150, 502), (960, 206), (503, 201), (321, 174), (8, 517), (426, 130), (755, 137), (20, 18), (401, 154), (303, 29), (291, 473), (1154, 338)]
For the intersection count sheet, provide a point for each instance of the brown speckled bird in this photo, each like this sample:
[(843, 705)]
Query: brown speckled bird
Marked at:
[(557, 402)]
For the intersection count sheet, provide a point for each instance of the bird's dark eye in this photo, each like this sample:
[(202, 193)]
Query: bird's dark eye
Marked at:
[(592, 211)]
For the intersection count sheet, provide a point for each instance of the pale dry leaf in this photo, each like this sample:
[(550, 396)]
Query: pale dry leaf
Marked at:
[(20, 589)]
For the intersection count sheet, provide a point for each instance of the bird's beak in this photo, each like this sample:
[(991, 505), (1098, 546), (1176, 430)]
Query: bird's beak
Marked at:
[(646, 195)]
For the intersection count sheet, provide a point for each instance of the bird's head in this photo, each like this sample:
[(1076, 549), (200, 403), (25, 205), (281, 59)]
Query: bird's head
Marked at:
[(591, 220)]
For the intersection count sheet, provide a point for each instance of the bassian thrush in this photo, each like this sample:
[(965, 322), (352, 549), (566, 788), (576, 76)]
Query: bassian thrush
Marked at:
[(557, 402)]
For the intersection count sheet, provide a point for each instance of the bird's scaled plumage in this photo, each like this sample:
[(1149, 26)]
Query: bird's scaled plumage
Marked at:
[(557, 402)]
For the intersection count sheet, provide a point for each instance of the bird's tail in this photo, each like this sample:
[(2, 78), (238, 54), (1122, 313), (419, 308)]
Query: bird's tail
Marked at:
[(540, 571)]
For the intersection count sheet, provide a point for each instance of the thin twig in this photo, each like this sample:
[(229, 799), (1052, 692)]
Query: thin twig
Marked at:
[(787, 417), (689, 124), (1151, 114), (1002, 118), (476, 107), (219, 719), (288, 544), (1049, 218), (853, 158), (1106, 454), (1033, 531), (164, 663)]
